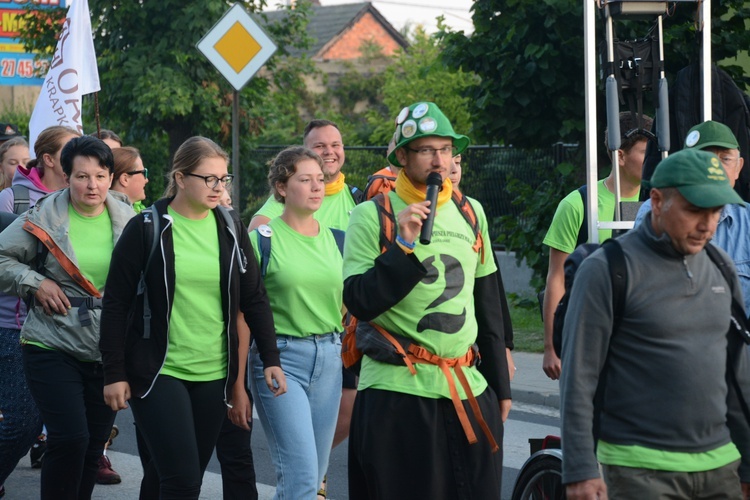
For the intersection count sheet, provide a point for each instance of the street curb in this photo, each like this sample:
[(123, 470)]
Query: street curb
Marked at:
[(536, 398)]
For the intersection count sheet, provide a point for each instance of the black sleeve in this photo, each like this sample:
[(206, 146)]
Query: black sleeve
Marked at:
[(256, 307), (504, 309), (120, 291), (392, 277), (490, 337)]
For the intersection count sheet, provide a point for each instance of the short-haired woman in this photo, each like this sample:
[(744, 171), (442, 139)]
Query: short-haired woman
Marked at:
[(79, 226), (183, 369), (130, 176), (305, 286)]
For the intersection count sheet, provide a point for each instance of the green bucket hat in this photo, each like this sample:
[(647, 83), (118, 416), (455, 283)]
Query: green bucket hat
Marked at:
[(424, 119), (698, 176), (709, 134)]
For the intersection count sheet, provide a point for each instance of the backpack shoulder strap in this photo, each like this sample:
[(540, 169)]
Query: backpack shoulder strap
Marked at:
[(150, 241), (339, 236), (21, 200), (583, 232), (264, 246), (357, 194), (470, 215), (387, 221), (618, 273)]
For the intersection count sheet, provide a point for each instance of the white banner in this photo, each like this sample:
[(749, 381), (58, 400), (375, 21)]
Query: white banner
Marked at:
[(72, 74)]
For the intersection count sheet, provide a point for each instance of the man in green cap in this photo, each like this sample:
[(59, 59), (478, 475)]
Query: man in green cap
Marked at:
[(670, 425), (427, 423), (733, 232)]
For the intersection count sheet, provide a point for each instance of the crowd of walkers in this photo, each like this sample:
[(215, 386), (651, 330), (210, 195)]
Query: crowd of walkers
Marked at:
[(189, 318)]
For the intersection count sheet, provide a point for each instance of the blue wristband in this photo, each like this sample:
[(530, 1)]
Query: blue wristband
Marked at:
[(402, 241)]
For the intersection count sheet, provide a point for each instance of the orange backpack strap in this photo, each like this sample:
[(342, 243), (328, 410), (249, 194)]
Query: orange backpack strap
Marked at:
[(63, 259), (387, 221), (418, 354), (467, 210)]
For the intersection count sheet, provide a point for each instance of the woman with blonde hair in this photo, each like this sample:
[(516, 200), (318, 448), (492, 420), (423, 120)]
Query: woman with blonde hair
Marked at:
[(14, 153), (183, 369)]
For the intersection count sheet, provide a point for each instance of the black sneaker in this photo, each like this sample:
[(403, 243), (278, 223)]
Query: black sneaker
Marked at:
[(37, 452)]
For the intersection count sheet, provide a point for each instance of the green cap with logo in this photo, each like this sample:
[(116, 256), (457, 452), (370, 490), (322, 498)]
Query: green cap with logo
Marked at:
[(424, 119), (711, 134), (698, 176)]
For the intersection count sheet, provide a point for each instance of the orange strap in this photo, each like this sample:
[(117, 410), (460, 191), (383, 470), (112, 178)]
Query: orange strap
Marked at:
[(418, 354), (63, 259)]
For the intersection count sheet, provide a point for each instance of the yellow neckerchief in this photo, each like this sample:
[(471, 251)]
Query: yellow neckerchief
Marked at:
[(336, 186), (411, 194)]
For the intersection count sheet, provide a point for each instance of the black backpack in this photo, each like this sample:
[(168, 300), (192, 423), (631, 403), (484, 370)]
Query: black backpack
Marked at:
[(617, 272)]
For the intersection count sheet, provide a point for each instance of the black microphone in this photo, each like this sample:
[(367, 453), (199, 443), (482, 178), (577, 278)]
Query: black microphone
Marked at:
[(434, 181)]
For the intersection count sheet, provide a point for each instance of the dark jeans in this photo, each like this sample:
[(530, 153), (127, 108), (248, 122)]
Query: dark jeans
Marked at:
[(21, 424), (180, 422), (69, 395), (235, 455)]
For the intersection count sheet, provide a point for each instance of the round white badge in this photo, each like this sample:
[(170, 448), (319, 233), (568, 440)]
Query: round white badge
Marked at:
[(420, 110), (397, 135), (264, 230), (402, 116), (427, 125), (692, 138), (409, 128)]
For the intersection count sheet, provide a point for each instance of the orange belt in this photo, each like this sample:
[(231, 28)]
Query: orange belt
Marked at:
[(418, 354)]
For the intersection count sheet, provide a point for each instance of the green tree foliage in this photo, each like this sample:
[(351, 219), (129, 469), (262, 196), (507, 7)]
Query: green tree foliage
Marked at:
[(158, 89), (530, 93), (418, 74)]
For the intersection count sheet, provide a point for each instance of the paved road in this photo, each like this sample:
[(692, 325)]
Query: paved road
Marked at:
[(526, 421)]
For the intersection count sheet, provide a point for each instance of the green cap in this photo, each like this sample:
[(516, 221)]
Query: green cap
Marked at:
[(698, 176), (424, 119), (709, 134)]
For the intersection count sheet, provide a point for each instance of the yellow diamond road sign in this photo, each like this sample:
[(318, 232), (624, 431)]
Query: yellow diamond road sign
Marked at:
[(237, 46)]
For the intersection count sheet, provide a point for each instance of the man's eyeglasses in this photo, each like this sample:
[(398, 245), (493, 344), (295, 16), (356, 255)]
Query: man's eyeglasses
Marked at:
[(730, 161), (136, 172), (212, 181), (430, 152)]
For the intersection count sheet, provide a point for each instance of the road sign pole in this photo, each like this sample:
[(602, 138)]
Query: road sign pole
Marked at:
[(236, 190)]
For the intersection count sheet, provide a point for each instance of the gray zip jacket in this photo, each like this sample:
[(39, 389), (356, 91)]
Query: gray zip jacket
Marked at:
[(18, 275), (666, 387)]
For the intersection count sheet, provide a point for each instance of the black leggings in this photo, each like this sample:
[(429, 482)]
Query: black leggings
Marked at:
[(180, 422), (69, 395)]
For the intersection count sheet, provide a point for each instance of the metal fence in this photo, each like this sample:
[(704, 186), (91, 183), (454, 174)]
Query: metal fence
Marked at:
[(486, 172)]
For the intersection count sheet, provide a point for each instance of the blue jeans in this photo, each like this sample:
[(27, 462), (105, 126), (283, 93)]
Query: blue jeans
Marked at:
[(22, 423), (300, 424)]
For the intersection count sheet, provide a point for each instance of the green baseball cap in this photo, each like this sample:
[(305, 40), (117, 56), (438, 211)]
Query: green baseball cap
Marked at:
[(698, 176), (709, 134), (424, 119)]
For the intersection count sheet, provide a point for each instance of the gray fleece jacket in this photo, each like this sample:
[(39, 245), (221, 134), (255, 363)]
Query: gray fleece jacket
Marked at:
[(666, 386), (18, 274)]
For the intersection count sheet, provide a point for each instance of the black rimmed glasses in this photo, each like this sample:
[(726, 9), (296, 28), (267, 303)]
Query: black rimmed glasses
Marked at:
[(430, 152), (136, 172), (212, 181)]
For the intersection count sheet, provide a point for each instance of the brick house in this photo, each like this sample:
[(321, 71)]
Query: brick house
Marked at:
[(339, 32)]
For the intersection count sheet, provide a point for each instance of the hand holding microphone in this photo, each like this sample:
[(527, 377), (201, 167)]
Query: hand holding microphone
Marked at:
[(434, 182)]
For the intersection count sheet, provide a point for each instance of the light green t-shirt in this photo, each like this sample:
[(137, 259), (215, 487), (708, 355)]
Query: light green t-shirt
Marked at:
[(563, 232), (439, 311), (92, 241), (648, 458), (333, 212), (197, 349), (303, 280)]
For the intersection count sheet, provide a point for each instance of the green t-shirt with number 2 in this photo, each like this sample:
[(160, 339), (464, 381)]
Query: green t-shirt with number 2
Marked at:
[(438, 313)]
